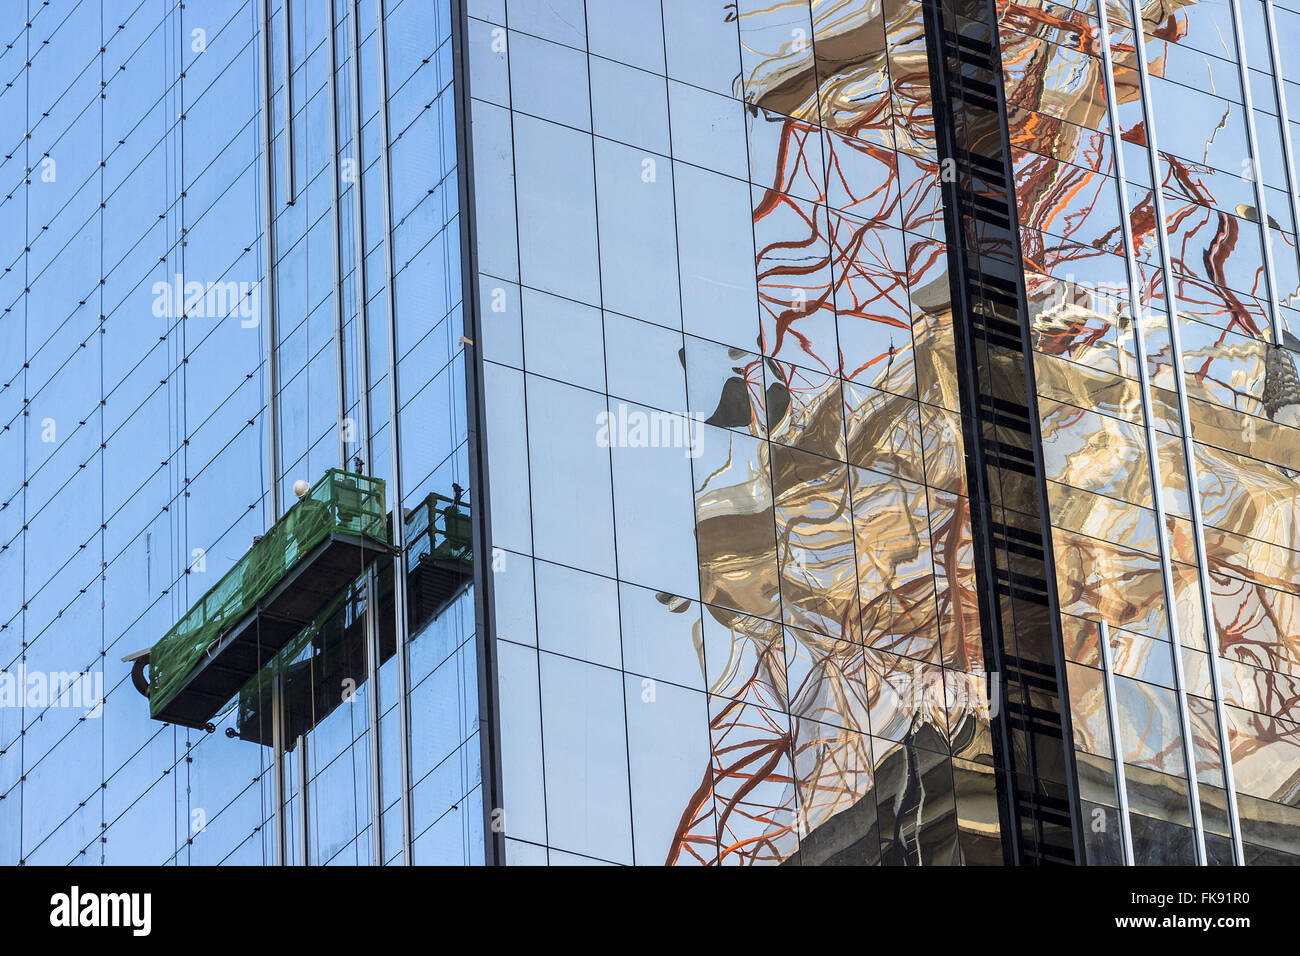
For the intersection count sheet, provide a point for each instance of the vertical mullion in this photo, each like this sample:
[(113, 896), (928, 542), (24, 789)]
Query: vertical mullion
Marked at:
[(340, 374), (359, 245), (398, 534), (364, 440), (1189, 453), (1257, 171), (1288, 149), (489, 721), (268, 263), (1137, 314), (341, 410), (277, 744), (303, 830), (1112, 716), (272, 423), (290, 190)]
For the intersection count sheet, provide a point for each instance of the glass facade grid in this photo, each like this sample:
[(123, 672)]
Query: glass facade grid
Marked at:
[(649, 303), (798, 620), (139, 462), (1171, 230)]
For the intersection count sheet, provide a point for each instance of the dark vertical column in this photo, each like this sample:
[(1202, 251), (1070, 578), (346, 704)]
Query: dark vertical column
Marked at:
[(1019, 615), (484, 617)]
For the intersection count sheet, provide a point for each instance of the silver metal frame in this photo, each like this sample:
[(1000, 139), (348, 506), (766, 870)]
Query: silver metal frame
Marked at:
[(489, 721), (267, 292), (1189, 455), (1116, 741), (290, 187), (1138, 311), (1257, 172), (280, 787), (1288, 149), (340, 364), (1261, 206), (363, 429), (304, 831), (395, 479), (340, 378)]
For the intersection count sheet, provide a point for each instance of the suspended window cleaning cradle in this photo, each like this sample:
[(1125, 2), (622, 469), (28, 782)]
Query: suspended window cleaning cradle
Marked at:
[(286, 580), (439, 557), (328, 656)]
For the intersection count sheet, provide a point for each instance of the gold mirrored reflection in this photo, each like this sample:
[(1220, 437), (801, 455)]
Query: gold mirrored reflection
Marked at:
[(1095, 452), (1240, 386), (778, 66), (1052, 78), (909, 79), (840, 643), (1050, 21), (839, 639)]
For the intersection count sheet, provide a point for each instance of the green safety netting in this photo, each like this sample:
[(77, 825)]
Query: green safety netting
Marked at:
[(438, 527), (339, 502)]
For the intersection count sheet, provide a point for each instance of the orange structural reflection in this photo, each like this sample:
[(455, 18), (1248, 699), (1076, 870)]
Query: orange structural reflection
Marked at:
[(841, 640), (1240, 394)]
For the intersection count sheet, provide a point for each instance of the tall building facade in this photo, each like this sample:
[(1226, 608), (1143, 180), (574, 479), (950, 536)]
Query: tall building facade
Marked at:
[(649, 431), (232, 247)]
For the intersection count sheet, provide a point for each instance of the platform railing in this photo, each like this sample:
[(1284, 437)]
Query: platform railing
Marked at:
[(339, 503)]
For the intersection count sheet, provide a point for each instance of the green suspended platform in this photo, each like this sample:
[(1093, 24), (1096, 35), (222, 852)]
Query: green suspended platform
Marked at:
[(314, 665), (289, 577)]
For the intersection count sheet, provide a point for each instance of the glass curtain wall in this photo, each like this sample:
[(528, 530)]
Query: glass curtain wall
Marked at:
[(735, 611), (149, 313), (1170, 444)]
